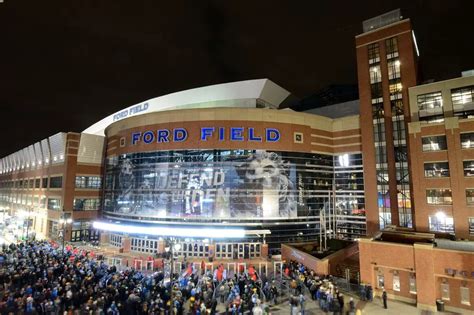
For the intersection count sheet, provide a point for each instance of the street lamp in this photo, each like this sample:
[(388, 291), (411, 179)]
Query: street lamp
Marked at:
[(64, 222)]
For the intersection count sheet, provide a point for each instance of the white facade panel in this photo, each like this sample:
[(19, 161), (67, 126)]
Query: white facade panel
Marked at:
[(57, 144), (46, 152), (209, 96), (91, 149)]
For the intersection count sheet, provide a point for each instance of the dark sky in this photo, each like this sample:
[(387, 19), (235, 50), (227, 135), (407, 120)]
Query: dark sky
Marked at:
[(66, 64)]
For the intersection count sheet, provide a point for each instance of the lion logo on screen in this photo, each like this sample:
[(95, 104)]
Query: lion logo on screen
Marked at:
[(268, 172)]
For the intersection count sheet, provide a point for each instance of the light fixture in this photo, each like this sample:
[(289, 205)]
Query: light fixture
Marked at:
[(440, 215), (170, 231)]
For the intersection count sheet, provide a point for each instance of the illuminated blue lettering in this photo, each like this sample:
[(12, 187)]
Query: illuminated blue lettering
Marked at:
[(206, 132), (252, 136), (221, 134), (163, 135), (273, 135), (236, 134), (180, 134), (148, 137), (136, 137)]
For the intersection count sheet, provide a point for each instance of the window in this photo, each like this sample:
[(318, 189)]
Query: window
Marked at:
[(467, 140), (471, 225), (82, 204), (44, 182), (462, 96), (56, 182), (441, 223), (397, 107), (412, 284), (395, 87), (115, 240), (396, 282), (379, 132), (434, 143), (92, 182), (391, 47), (470, 196), (445, 291), (468, 168), (376, 90), (54, 204), (393, 69), (38, 183), (430, 104), (437, 169), (31, 183), (380, 281), (377, 111), (374, 53), (375, 74), (465, 296), (439, 196), (81, 181)]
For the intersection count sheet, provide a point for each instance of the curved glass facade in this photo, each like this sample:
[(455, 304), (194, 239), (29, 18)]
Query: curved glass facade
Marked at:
[(246, 187)]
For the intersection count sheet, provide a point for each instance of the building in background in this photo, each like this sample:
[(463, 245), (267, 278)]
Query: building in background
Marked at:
[(387, 67), (57, 178), (417, 168), (441, 148)]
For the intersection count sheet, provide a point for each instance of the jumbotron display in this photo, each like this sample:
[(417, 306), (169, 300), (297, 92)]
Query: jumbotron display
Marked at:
[(217, 184)]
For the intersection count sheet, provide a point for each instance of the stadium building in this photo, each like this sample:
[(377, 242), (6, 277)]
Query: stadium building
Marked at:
[(225, 170)]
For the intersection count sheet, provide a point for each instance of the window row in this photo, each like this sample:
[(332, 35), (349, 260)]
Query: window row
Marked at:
[(431, 104), (441, 169), (84, 204), (90, 182), (438, 143), (34, 183)]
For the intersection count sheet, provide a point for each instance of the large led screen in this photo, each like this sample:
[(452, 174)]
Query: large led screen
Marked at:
[(218, 184)]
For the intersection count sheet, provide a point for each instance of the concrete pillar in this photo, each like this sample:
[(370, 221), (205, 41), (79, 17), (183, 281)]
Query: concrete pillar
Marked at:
[(264, 250), (126, 244), (425, 279)]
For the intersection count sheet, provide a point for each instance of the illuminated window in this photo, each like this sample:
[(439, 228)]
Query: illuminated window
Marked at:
[(393, 69), (439, 196), (412, 284), (434, 143), (470, 196), (54, 204), (441, 223), (438, 169), (462, 96), (468, 168), (375, 74), (465, 296), (396, 283), (467, 140), (445, 291), (471, 225)]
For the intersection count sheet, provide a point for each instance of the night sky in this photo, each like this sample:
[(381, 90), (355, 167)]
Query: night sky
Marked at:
[(66, 64)]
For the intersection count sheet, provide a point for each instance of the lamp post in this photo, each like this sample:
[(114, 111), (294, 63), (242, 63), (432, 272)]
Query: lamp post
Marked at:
[(64, 222)]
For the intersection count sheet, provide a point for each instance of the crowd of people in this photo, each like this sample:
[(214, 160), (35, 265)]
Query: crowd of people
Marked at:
[(321, 289), (38, 277)]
